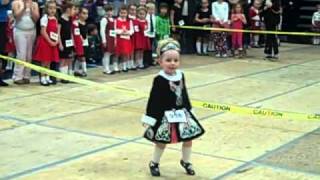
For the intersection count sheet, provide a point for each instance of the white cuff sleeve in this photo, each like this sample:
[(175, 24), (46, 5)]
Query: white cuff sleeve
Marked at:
[(148, 120), (44, 21)]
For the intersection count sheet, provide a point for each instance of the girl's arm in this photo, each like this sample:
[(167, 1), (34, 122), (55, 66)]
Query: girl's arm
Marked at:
[(243, 19), (35, 12), (186, 99), (103, 26), (43, 31), (172, 17), (45, 35), (197, 19), (226, 12), (60, 42), (18, 9), (155, 106)]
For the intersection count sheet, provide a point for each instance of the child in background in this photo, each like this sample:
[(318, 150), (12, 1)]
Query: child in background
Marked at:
[(169, 118), (255, 21), (237, 21), (124, 31), (176, 19), (150, 32), (141, 42), (94, 48), (108, 37), (47, 50), (203, 18), (78, 43), (66, 42), (83, 16), (220, 13), (132, 16), (163, 23), (316, 25), (10, 48)]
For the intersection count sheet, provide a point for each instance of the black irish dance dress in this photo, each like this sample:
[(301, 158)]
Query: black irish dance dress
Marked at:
[(169, 111)]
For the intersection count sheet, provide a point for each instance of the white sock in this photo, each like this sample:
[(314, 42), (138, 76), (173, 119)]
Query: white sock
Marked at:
[(116, 66), (140, 63), (43, 79), (205, 48), (77, 66), (84, 66), (64, 69), (186, 154), (157, 154), (106, 62), (69, 70), (48, 79), (198, 46), (124, 65)]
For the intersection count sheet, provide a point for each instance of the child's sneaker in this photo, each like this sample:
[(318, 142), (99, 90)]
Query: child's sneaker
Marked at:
[(225, 55), (218, 55), (154, 169), (188, 168)]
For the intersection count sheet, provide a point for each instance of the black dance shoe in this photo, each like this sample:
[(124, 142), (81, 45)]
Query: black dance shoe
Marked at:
[(154, 169), (188, 168)]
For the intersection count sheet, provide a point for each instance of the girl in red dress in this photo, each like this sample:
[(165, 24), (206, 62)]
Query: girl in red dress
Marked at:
[(46, 50), (237, 21), (107, 38), (254, 15), (141, 41), (124, 31), (133, 18), (81, 43), (78, 43), (10, 48)]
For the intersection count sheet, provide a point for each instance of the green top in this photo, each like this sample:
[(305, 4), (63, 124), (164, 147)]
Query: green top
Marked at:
[(162, 27)]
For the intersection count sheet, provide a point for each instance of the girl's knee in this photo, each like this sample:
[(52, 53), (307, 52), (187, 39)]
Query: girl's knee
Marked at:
[(161, 146), (187, 144)]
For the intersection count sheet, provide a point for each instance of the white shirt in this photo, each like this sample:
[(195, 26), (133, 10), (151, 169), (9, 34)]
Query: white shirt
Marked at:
[(315, 17), (220, 11), (149, 23), (103, 26)]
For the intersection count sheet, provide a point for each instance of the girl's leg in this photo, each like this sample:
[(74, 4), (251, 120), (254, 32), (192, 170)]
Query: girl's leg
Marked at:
[(43, 76), (154, 164), (116, 63), (205, 45), (83, 65), (139, 58), (106, 63), (186, 155), (198, 45)]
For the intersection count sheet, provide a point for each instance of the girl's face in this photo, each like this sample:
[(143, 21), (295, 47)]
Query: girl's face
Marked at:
[(123, 13), (151, 10), (204, 3), (164, 11), (170, 61), (71, 11), (52, 9), (84, 14), (133, 10), (238, 8), (142, 14), (110, 13), (76, 11)]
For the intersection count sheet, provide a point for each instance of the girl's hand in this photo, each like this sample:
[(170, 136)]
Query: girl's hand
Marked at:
[(60, 47), (52, 43), (174, 29), (145, 125)]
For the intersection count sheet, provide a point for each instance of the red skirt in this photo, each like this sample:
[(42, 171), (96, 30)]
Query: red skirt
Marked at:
[(123, 47), (110, 45), (44, 52), (141, 42), (78, 46), (10, 47)]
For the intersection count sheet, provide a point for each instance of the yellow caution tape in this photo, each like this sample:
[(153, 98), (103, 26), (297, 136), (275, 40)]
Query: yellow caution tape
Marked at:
[(261, 112), (248, 31), (217, 107)]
